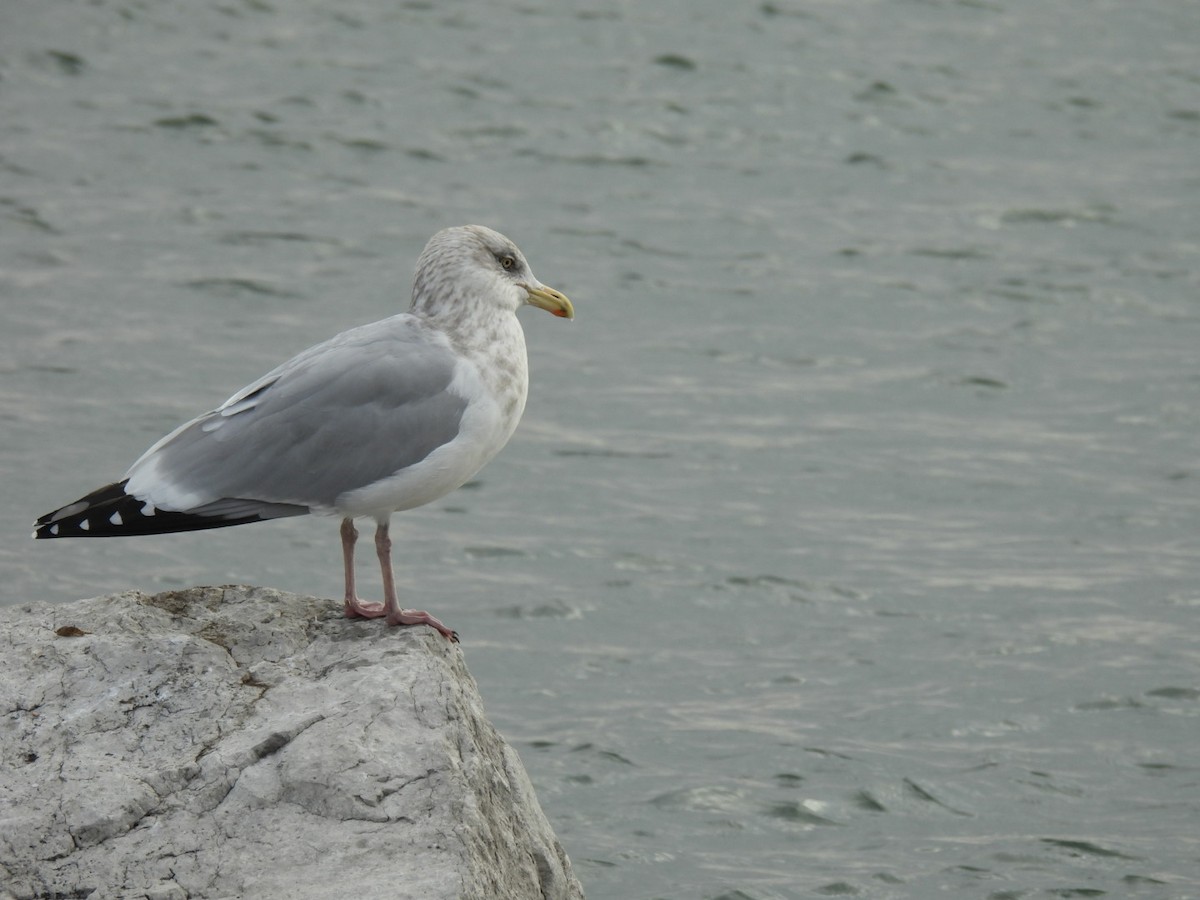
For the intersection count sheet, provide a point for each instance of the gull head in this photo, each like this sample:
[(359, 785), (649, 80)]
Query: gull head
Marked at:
[(472, 269)]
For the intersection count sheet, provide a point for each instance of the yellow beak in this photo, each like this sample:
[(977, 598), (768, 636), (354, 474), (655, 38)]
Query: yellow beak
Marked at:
[(551, 300)]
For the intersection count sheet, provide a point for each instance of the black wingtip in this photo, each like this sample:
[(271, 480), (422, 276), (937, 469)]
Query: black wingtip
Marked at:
[(76, 519), (110, 512)]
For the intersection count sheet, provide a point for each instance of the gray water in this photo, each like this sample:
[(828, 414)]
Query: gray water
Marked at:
[(849, 546)]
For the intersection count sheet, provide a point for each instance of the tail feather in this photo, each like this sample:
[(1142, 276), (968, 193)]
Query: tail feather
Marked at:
[(110, 512)]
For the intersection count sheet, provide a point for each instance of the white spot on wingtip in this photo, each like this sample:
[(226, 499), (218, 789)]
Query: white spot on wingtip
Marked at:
[(148, 508), (115, 519), (85, 525), (54, 529)]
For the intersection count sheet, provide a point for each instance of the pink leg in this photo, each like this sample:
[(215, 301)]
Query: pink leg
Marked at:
[(355, 608), (396, 615)]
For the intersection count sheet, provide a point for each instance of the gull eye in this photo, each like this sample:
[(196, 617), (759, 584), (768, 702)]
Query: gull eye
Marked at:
[(508, 262)]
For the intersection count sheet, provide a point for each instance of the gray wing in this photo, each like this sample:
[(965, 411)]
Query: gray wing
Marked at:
[(339, 416)]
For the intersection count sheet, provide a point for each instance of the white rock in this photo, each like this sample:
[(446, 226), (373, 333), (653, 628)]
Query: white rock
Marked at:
[(242, 742)]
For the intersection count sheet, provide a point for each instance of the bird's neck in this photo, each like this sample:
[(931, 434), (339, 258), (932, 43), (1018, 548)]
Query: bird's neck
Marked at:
[(492, 339), (496, 343)]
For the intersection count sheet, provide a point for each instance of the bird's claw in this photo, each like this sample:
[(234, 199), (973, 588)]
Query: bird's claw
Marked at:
[(361, 609), (420, 617)]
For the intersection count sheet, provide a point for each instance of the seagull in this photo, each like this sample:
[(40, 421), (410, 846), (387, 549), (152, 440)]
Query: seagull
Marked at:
[(381, 418)]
